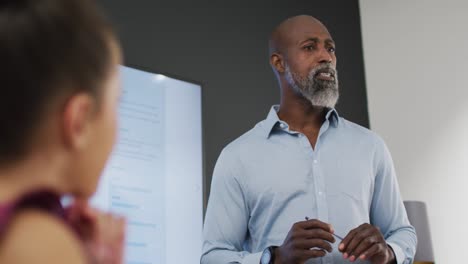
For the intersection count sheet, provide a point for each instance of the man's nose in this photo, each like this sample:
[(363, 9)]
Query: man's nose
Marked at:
[(325, 56)]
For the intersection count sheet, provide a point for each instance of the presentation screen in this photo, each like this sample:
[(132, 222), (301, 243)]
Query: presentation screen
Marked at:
[(154, 175)]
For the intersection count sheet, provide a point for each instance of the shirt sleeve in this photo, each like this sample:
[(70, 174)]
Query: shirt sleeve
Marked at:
[(387, 209), (227, 216)]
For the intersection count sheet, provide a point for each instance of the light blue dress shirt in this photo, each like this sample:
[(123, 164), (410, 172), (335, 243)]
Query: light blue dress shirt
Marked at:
[(271, 177)]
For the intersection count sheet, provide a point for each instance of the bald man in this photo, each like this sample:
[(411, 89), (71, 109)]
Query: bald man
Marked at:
[(305, 185)]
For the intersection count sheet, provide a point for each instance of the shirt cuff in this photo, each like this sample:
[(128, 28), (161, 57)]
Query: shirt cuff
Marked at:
[(252, 258), (399, 254)]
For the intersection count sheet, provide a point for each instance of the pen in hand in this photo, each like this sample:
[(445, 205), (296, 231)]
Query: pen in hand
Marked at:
[(337, 236)]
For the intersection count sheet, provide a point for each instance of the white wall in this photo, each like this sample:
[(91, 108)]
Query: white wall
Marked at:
[(416, 60)]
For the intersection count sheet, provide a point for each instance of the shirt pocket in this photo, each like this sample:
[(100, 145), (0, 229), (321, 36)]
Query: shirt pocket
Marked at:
[(349, 197), (349, 180), (349, 188)]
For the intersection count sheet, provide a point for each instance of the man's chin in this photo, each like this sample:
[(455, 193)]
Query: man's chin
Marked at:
[(322, 98), (328, 103)]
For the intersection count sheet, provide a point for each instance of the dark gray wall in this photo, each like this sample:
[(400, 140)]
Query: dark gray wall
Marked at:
[(224, 47)]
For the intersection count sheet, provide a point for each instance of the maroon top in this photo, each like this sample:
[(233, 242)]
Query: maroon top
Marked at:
[(45, 201)]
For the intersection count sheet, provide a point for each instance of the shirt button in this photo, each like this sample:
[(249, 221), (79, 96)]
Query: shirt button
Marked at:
[(282, 125), (320, 193), (315, 161)]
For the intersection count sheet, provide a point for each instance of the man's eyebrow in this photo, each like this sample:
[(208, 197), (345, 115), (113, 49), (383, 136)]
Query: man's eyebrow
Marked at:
[(316, 40), (330, 42), (309, 39)]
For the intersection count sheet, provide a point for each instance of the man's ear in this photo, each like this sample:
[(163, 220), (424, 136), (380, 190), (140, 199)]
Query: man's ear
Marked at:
[(76, 120), (277, 62)]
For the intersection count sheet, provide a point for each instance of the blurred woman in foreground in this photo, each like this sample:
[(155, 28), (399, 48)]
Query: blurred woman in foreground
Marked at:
[(59, 94)]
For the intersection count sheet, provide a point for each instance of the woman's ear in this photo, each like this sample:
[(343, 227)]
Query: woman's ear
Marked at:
[(76, 120)]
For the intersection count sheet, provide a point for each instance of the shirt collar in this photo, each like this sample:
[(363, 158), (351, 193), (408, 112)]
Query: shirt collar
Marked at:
[(273, 120)]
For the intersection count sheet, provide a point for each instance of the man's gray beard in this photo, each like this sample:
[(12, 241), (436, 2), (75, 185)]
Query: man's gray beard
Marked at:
[(319, 93)]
